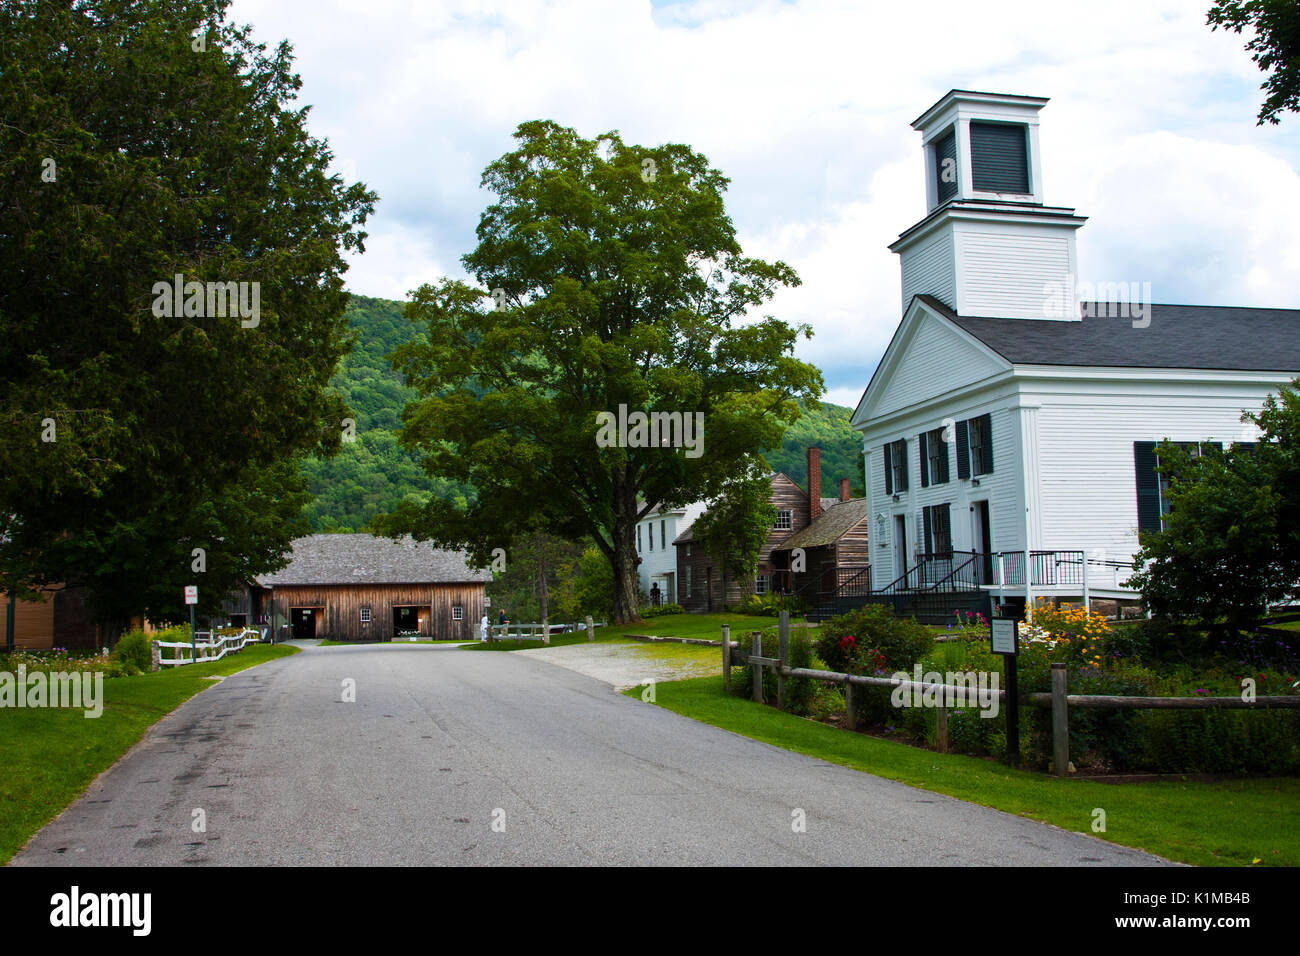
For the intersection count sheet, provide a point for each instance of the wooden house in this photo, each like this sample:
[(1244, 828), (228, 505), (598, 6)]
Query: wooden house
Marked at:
[(358, 587), (814, 543)]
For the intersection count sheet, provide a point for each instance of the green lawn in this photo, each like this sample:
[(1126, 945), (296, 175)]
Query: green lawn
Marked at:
[(1210, 824), (363, 643), (50, 755), (705, 626)]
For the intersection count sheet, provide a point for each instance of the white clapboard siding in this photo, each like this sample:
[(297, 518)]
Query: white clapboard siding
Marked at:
[(928, 269), (1009, 275), (1089, 496)]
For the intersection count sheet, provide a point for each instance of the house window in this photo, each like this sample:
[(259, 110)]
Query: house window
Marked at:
[(688, 582), (784, 519), (650, 536), (982, 445), (638, 538), (937, 529), (663, 535), (933, 458), (760, 584), (457, 613), (365, 615), (1153, 484), (896, 467)]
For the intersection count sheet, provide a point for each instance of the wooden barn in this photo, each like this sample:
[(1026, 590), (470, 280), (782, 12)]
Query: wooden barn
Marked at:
[(358, 587)]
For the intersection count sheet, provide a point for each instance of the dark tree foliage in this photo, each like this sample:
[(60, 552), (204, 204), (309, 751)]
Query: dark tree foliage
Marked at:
[(141, 139), (1275, 47), (1230, 546)]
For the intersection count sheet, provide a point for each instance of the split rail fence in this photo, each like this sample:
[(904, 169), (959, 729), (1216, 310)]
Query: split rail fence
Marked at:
[(1058, 699)]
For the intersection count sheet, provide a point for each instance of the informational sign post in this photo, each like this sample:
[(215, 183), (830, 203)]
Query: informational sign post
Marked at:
[(192, 598), (1004, 639)]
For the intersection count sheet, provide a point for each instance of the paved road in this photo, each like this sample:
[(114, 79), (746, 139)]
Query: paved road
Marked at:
[(440, 742)]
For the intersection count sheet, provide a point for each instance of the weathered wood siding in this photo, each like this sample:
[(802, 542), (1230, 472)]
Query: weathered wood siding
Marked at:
[(61, 620), (339, 609), (853, 548)]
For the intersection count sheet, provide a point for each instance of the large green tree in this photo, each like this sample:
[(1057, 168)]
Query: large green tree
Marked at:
[(1230, 546), (611, 282), (1275, 47), (140, 140)]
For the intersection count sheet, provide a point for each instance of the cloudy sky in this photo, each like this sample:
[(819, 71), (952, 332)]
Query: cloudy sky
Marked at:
[(806, 106)]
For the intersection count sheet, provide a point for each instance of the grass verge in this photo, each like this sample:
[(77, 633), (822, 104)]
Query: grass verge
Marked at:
[(706, 626), (1237, 822), (50, 755), (398, 643)]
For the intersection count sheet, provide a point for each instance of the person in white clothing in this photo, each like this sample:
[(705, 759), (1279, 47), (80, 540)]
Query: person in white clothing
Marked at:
[(482, 629)]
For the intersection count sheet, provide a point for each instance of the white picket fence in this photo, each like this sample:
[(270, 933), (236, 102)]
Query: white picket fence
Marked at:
[(206, 647)]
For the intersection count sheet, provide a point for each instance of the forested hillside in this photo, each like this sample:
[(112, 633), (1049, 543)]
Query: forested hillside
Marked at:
[(373, 473)]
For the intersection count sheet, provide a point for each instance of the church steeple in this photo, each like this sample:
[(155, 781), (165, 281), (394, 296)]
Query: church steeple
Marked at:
[(988, 245)]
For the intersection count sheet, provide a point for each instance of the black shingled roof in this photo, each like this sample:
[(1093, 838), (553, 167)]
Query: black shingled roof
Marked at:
[(1178, 336)]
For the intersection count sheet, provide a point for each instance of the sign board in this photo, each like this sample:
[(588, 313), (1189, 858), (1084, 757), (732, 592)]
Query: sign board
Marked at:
[(487, 602), (1005, 636), (192, 594)]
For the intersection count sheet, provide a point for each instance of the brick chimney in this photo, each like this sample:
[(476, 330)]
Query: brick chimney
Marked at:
[(814, 483), (844, 489)]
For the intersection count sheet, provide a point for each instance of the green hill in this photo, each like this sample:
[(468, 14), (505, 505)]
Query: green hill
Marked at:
[(373, 473)]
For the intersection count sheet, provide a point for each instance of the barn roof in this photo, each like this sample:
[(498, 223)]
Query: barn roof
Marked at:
[(366, 559)]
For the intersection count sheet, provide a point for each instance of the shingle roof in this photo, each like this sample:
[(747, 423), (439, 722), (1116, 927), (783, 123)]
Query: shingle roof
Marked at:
[(831, 525), (1177, 336), (366, 559)]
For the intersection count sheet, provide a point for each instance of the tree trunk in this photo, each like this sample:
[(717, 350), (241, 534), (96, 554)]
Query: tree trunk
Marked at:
[(542, 589), (624, 557)]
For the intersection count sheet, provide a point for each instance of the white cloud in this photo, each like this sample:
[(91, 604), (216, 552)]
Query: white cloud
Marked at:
[(805, 106)]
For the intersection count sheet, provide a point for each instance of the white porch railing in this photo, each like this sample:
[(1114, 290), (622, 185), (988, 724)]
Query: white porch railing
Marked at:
[(206, 648)]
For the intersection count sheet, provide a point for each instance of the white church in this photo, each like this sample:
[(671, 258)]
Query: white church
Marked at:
[(1010, 429)]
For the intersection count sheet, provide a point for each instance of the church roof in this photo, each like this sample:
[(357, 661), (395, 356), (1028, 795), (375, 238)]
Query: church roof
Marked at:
[(1170, 336)]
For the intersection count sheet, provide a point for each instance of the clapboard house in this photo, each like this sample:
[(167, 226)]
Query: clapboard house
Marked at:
[(1010, 428), (358, 587), (814, 543)]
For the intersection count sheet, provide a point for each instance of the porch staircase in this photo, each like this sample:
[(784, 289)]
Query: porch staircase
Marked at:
[(930, 591)]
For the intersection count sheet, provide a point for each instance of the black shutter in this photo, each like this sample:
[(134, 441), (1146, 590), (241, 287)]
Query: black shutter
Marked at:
[(945, 153), (889, 472), (925, 465), (999, 157), (988, 444), (929, 531), (1148, 485), (963, 451), (943, 520)]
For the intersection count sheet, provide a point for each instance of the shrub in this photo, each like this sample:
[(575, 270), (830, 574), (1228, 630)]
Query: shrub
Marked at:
[(133, 651), (662, 610), (900, 641), (769, 605)]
